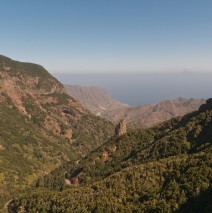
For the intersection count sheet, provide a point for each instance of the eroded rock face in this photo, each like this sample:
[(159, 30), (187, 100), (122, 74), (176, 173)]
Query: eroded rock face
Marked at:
[(70, 111), (121, 128), (95, 99)]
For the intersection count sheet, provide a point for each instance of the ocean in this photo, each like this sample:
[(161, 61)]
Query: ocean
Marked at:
[(137, 89)]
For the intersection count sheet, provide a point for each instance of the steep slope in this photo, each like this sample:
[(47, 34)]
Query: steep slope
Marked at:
[(98, 101), (174, 137), (155, 170), (161, 186), (149, 115), (41, 127), (95, 99)]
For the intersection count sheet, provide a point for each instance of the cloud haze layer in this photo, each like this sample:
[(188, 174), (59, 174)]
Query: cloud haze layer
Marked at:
[(135, 89)]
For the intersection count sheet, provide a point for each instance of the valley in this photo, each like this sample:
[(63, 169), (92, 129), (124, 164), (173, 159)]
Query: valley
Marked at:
[(99, 102), (57, 156), (106, 106)]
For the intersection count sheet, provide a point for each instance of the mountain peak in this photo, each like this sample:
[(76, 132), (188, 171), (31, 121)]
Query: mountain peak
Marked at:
[(14, 67)]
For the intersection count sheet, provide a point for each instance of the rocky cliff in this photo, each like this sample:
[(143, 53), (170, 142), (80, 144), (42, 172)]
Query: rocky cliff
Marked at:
[(95, 99), (41, 126), (98, 101)]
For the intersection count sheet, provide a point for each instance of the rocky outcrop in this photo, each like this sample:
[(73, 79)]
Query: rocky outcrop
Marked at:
[(107, 152), (75, 178), (1, 147), (70, 111), (105, 155), (121, 128)]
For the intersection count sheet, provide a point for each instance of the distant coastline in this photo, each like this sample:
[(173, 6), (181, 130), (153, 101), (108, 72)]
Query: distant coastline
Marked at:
[(136, 89)]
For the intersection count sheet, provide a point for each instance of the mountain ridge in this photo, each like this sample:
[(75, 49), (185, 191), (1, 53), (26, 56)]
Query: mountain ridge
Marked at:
[(98, 101), (95, 99), (41, 127), (160, 169), (55, 156)]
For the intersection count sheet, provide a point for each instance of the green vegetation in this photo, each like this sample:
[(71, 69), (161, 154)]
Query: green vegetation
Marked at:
[(36, 131), (57, 157), (163, 169), (28, 69), (153, 187), (26, 152), (190, 135)]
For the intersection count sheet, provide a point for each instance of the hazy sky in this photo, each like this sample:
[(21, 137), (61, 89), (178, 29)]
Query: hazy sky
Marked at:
[(109, 35)]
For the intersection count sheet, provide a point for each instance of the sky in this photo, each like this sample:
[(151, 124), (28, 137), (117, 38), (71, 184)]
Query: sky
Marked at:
[(106, 36)]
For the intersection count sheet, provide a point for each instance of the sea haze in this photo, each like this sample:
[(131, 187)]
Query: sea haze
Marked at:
[(136, 89)]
